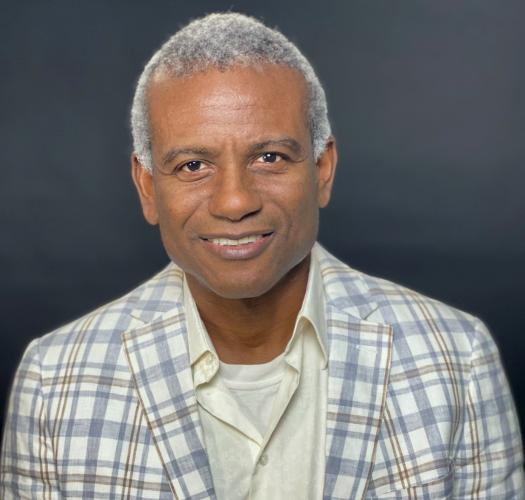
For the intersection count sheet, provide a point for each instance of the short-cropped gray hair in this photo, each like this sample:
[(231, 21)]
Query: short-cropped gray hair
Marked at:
[(222, 40)]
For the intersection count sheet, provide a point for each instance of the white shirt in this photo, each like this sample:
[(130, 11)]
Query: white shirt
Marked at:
[(280, 452)]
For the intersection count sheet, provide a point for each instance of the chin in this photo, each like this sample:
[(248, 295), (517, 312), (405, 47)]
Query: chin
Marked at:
[(239, 289)]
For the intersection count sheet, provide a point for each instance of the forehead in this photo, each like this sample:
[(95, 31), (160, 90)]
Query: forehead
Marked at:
[(233, 103)]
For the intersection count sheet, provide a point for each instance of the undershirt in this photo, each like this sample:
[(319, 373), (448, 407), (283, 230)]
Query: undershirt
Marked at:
[(254, 387)]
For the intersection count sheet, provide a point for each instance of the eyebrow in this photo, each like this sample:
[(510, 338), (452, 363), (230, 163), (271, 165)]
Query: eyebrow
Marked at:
[(191, 150), (287, 142)]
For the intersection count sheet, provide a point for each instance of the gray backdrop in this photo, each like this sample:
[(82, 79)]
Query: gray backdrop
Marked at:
[(427, 104)]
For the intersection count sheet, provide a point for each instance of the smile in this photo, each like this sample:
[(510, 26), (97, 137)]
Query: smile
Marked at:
[(238, 248), (241, 241)]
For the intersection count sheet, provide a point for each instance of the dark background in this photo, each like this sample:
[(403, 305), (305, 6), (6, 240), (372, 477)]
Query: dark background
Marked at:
[(426, 100)]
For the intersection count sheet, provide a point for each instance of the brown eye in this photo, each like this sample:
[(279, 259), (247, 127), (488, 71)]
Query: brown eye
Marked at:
[(270, 157), (193, 170), (193, 166)]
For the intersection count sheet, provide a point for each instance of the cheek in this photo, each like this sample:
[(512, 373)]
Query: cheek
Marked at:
[(297, 202), (304, 199), (176, 206), (177, 209)]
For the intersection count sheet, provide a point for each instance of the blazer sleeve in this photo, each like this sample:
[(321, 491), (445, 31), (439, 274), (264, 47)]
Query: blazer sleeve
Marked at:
[(489, 458), (28, 469)]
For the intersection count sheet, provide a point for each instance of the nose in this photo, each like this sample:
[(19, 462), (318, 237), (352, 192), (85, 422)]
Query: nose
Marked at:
[(234, 196)]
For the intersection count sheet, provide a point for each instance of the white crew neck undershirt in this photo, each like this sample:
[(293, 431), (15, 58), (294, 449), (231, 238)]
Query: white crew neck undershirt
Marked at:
[(254, 387)]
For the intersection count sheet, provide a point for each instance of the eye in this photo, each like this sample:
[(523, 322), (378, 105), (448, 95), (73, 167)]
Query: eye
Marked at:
[(193, 170), (192, 166), (271, 157)]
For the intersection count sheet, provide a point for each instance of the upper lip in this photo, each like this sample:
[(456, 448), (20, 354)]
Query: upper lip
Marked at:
[(232, 236)]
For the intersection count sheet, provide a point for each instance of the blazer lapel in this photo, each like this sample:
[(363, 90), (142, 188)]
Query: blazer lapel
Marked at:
[(158, 358), (357, 381), (358, 371)]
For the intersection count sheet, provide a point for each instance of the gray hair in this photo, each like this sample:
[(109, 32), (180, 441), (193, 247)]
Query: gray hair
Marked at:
[(222, 40)]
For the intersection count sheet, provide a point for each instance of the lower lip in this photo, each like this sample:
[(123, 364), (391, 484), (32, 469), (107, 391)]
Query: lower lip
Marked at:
[(239, 252)]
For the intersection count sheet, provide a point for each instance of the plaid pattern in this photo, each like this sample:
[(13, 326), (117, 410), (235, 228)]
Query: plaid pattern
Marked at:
[(418, 404)]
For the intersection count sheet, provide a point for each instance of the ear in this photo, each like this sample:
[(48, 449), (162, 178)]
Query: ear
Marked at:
[(143, 180), (326, 172)]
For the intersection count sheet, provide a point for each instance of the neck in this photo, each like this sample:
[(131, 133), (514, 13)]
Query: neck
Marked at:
[(253, 330)]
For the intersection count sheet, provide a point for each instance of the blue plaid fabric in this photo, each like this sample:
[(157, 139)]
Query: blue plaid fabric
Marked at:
[(418, 403)]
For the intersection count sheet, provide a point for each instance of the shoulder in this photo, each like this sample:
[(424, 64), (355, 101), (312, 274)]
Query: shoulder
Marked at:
[(97, 334), (419, 323)]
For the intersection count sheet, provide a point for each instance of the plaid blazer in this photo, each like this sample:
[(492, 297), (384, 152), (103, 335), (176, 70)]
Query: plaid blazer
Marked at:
[(418, 404)]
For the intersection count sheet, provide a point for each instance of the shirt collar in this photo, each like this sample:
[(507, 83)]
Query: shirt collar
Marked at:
[(199, 343), (312, 310)]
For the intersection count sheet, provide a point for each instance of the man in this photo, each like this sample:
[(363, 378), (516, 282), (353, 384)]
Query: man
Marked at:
[(256, 365)]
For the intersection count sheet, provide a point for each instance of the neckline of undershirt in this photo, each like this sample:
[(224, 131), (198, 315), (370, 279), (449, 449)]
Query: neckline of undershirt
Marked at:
[(249, 377)]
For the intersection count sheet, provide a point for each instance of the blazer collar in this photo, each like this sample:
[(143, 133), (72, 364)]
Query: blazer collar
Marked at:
[(157, 296)]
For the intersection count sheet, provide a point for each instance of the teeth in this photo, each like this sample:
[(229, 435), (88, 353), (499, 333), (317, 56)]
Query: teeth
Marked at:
[(231, 243)]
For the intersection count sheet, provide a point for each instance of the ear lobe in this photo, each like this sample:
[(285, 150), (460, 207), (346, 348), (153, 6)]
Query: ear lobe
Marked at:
[(143, 180), (326, 165)]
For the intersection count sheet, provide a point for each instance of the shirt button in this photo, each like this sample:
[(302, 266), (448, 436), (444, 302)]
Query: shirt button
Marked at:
[(264, 459)]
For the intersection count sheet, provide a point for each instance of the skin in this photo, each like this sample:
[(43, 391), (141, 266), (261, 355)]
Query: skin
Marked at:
[(232, 155)]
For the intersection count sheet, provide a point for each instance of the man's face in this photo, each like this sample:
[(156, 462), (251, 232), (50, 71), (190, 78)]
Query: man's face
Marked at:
[(235, 189)]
